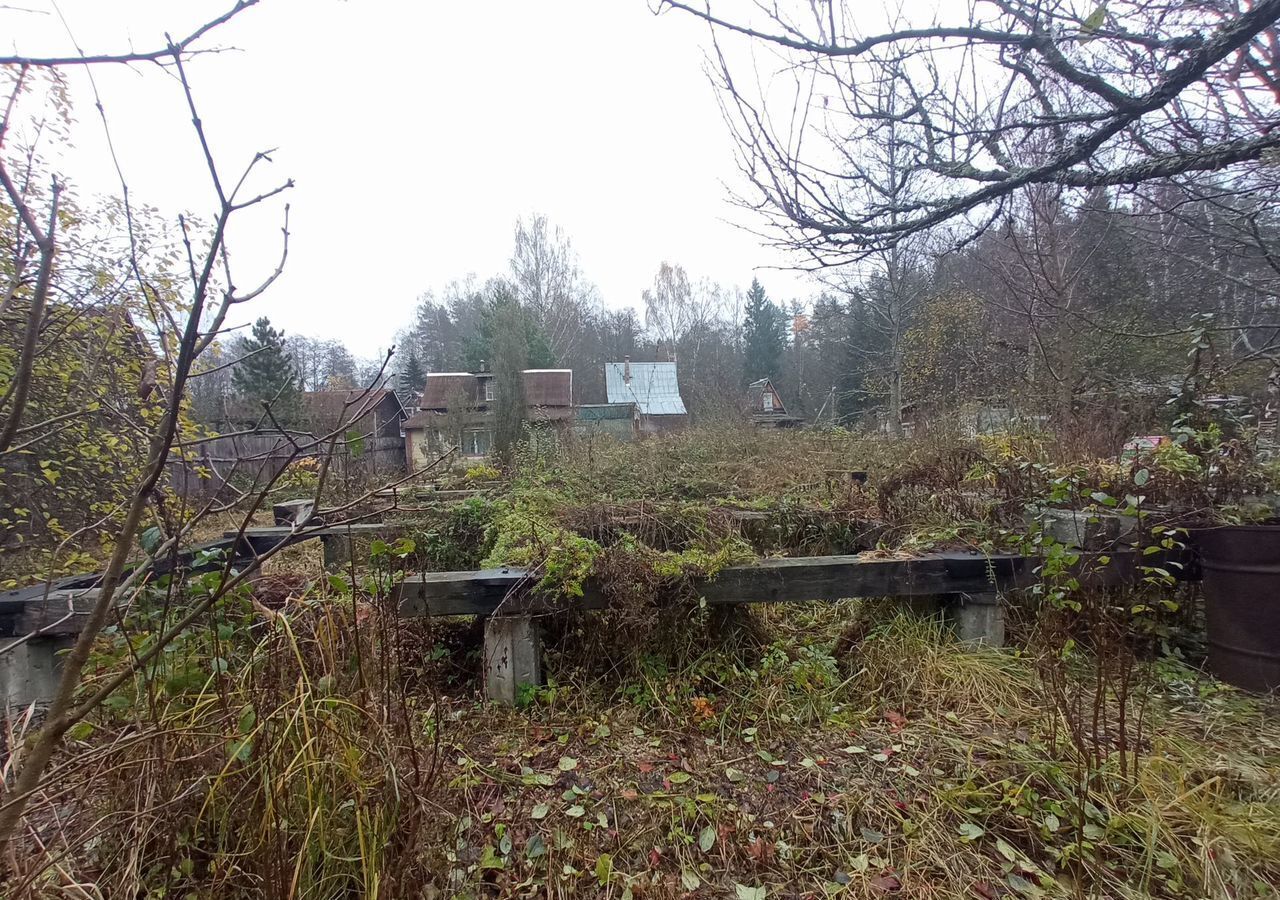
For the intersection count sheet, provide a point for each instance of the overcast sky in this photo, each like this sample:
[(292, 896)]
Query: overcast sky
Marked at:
[(417, 133)]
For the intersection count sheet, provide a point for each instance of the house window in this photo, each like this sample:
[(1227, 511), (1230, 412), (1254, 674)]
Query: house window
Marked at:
[(476, 441), (488, 391), (768, 401)]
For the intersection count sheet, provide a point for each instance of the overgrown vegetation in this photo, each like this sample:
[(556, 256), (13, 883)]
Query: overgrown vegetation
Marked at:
[(302, 734)]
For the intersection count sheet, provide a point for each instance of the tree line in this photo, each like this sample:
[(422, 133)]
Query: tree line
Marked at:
[(1066, 304)]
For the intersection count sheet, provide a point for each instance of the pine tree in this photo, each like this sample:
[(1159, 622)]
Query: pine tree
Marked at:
[(764, 336), (412, 377), (502, 310), (267, 373)]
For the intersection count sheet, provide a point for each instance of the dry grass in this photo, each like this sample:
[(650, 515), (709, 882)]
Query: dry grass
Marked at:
[(805, 750)]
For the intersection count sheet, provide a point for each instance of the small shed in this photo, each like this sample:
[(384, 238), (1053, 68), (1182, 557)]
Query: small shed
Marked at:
[(373, 421), (654, 388), (618, 420), (764, 408)]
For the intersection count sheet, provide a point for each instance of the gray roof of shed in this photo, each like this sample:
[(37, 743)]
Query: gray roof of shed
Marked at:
[(653, 388)]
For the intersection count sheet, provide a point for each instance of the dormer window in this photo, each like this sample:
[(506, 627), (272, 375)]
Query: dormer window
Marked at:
[(488, 390)]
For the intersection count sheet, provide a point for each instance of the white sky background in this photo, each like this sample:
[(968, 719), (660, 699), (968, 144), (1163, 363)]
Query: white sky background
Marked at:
[(417, 133)]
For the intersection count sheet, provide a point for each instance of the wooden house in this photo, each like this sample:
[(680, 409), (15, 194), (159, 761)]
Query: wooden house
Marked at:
[(764, 408), (458, 409)]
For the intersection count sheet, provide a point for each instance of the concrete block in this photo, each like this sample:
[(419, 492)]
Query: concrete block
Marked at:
[(29, 673), (294, 512), (337, 552), (1088, 531), (512, 656), (978, 619)]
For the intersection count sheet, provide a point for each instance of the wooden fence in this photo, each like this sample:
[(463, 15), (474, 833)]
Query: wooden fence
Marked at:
[(249, 459)]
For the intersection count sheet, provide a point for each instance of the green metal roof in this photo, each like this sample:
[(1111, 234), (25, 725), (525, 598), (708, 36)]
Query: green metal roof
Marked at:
[(597, 412)]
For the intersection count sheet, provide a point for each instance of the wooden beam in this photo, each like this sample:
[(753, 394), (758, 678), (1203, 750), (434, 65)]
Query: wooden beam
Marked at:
[(263, 540), (508, 590)]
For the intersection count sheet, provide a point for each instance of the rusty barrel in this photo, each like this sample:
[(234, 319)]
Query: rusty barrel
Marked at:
[(1241, 565)]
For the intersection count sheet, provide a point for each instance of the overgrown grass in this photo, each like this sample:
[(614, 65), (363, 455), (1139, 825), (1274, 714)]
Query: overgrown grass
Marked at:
[(304, 742)]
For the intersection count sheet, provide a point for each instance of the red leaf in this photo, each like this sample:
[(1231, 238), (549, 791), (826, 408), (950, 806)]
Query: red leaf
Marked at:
[(645, 766), (985, 891), (887, 883), (895, 719), (655, 858), (760, 849)]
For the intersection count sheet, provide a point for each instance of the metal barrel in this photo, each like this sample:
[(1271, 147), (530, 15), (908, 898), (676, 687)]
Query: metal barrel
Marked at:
[(1241, 565)]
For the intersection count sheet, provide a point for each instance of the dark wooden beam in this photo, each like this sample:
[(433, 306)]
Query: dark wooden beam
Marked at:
[(508, 590), (263, 540)]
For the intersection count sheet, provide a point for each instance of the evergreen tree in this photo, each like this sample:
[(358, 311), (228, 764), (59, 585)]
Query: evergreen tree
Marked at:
[(510, 358), (267, 373), (764, 334), (503, 311), (412, 377)]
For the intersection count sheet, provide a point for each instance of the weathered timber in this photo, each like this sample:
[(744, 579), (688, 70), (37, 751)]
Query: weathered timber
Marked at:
[(428, 494), (60, 614), (264, 540), (198, 558), (506, 590), (16, 604)]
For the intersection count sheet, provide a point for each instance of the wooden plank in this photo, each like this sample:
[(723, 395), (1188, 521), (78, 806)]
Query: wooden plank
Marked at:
[(508, 590), (62, 613), (264, 540), (182, 562)]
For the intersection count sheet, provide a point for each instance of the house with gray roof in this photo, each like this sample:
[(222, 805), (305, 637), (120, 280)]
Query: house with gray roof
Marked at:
[(654, 389)]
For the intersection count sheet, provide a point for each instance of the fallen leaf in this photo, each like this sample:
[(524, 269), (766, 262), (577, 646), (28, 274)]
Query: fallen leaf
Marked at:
[(887, 883), (568, 764), (707, 839), (760, 850), (629, 794), (540, 811), (743, 892), (645, 766), (895, 719)]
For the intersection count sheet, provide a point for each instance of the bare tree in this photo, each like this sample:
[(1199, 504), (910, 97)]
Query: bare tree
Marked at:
[(676, 308), (1008, 94), (210, 296), (547, 282)]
